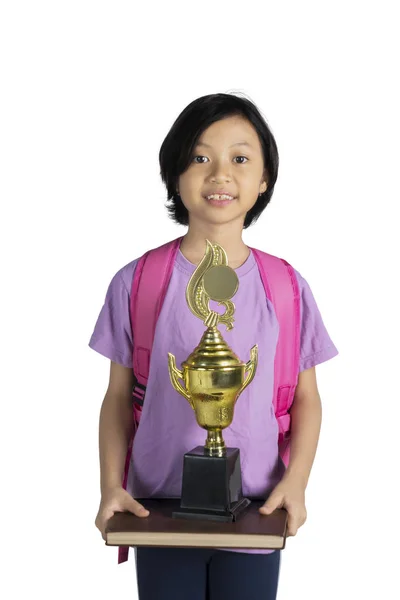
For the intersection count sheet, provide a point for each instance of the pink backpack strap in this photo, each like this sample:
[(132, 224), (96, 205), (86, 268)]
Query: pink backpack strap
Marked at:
[(149, 287), (282, 289), (152, 275)]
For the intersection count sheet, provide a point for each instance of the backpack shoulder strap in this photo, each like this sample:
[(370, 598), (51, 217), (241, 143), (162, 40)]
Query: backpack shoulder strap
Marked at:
[(149, 287), (282, 289)]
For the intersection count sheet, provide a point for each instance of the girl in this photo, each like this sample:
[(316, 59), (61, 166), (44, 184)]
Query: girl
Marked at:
[(220, 144)]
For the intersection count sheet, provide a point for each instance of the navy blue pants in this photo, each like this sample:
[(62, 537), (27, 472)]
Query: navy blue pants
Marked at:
[(206, 574)]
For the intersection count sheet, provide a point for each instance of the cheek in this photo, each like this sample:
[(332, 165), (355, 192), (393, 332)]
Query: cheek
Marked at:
[(191, 187), (192, 201), (249, 201)]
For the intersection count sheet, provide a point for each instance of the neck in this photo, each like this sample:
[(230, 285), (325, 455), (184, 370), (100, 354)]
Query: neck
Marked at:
[(228, 236)]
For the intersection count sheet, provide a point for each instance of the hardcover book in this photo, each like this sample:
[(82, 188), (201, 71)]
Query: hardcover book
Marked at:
[(251, 530)]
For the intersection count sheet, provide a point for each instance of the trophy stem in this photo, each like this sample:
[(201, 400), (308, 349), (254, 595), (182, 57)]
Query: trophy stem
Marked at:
[(215, 445)]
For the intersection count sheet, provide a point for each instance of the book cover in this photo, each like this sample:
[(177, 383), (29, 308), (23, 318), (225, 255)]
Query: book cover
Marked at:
[(251, 530)]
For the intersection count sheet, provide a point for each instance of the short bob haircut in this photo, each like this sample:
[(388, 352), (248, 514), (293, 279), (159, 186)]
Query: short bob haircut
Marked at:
[(177, 148)]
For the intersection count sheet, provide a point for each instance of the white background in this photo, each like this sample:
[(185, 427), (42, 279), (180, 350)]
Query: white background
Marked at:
[(89, 91)]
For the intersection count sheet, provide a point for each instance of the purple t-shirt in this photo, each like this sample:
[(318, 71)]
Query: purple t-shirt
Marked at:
[(168, 426)]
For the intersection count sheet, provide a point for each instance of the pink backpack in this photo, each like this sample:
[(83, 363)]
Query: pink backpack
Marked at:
[(149, 287)]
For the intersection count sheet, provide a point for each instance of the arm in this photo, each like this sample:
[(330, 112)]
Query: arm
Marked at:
[(306, 418), (116, 421), (306, 414), (115, 426)]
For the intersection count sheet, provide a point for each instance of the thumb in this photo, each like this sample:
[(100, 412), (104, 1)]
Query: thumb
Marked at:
[(273, 502), (137, 509)]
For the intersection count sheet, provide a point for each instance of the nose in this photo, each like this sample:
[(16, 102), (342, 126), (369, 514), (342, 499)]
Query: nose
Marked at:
[(221, 171)]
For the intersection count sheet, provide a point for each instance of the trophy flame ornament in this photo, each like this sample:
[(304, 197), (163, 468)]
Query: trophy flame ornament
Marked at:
[(213, 376)]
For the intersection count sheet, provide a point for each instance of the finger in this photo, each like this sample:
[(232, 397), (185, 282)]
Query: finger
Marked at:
[(296, 519), (101, 526), (101, 520), (292, 525), (138, 509), (271, 504), (102, 523)]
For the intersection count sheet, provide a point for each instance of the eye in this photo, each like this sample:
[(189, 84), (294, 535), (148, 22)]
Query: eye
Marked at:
[(200, 156)]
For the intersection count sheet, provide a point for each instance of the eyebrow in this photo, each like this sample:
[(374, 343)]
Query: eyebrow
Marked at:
[(235, 144)]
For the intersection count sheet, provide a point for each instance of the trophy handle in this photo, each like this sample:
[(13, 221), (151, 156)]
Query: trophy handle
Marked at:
[(175, 374), (251, 366)]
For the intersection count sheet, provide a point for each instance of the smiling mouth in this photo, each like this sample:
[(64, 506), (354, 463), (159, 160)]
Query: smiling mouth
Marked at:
[(219, 202), (215, 202)]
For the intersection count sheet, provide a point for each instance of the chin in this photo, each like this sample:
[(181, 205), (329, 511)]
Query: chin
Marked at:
[(223, 219)]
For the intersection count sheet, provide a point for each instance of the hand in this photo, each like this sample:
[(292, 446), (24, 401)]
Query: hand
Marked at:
[(114, 500), (288, 494)]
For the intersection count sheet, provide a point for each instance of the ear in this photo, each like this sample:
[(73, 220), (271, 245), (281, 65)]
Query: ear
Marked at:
[(263, 187), (264, 183)]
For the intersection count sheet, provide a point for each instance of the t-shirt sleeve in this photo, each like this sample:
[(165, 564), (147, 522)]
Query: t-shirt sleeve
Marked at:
[(316, 346), (112, 335)]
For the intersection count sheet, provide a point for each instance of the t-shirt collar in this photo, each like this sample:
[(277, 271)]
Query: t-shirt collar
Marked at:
[(189, 267)]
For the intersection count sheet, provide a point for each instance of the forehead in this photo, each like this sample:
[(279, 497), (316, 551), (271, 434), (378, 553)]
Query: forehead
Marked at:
[(232, 131)]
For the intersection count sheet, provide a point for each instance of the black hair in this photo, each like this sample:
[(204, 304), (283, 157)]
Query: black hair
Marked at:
[(177, 147)]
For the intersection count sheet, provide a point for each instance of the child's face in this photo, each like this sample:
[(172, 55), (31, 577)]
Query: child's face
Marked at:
[(221, 167)]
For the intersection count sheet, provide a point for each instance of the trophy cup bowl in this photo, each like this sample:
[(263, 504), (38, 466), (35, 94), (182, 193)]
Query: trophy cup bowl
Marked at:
[(214, 377)]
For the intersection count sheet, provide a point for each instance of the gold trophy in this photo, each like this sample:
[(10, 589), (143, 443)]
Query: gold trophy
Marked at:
[(213, 378)]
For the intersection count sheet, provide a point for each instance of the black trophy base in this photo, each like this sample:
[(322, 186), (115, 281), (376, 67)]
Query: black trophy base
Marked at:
[(211, 487)]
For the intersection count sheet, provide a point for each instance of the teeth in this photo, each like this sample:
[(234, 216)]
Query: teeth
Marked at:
[(219, 197)]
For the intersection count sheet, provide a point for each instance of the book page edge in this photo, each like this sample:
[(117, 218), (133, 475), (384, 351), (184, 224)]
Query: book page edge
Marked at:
[(202, 540)]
